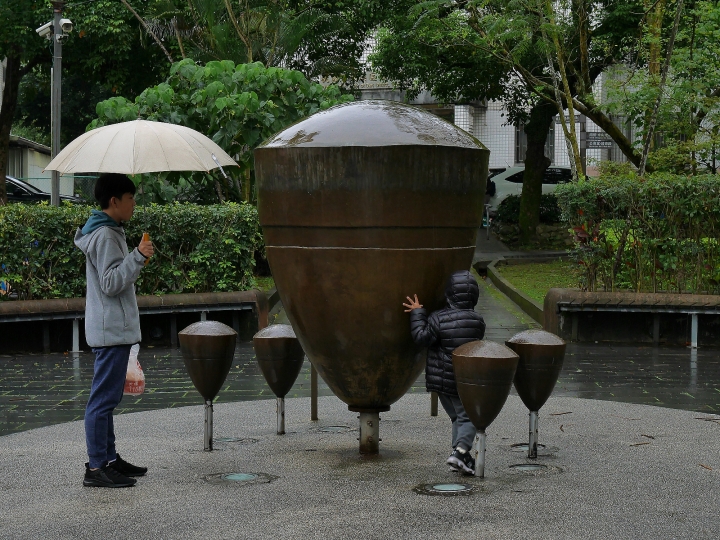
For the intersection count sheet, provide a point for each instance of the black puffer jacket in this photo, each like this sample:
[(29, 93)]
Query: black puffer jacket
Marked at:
[(446, 329)]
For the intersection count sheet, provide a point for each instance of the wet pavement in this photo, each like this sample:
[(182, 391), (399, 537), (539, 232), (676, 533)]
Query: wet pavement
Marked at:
[(39, 390)]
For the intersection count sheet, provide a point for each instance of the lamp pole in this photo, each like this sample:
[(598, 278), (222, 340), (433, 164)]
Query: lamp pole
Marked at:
[(58, 6)]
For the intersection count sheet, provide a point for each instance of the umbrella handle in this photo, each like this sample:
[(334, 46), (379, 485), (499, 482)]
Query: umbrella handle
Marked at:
[(218, 164)]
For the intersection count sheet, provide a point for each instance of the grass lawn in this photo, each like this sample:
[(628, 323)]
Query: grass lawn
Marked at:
[(264, 283), (536, 279)]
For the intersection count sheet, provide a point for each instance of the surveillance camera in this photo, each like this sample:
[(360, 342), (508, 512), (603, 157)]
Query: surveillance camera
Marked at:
[(66, 25), (45, 30)]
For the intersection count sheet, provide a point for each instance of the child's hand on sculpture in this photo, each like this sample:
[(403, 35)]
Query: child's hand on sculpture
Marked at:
[(412, 305)]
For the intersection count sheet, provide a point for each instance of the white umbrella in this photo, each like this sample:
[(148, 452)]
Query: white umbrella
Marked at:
[(140, 146)]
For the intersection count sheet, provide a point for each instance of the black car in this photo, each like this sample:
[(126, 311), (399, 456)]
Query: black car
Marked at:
[(19, 191)]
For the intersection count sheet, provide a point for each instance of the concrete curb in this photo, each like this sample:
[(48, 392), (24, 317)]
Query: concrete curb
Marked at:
[(527, 304)]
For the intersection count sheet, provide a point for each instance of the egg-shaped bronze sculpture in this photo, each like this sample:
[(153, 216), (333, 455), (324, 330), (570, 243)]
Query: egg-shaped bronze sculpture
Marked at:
[(361, 205), (280, 357), (484, 372), (207, 348), (541, 360)]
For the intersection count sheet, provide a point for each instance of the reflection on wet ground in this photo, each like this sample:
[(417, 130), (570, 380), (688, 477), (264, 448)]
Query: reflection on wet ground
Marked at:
[(39, 390)]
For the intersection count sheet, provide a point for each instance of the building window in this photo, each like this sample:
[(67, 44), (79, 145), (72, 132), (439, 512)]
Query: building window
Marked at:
[(521, 143)]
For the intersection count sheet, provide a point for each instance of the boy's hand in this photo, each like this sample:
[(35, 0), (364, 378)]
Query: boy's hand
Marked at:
[(146, 248), (412, 305)]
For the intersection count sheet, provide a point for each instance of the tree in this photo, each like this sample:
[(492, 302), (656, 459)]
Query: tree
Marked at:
[(507, 43), (236, 106), (23, 50), (104, 55), (687, 136), (317, 37)]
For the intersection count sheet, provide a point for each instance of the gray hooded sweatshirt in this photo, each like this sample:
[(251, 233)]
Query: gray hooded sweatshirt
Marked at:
[(111, 312)]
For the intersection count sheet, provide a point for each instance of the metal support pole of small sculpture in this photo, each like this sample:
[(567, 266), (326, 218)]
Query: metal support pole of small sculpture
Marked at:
[(313, 393), (208, 348), (484, 373), (478, 452), (541, 358), (208, 439), (280, 357)]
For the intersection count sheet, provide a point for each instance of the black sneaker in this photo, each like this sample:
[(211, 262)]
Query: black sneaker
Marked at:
[(127, 469), (461, 461), (106, 477)]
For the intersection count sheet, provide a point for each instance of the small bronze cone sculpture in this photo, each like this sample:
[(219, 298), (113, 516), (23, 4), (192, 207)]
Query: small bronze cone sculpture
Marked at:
[(280, 357), (208, 348), (484, 372), (541, 359)]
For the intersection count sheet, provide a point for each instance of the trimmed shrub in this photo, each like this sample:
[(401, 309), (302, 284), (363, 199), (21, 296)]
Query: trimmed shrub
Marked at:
[(654, 234), (509, 209), (197, 249)]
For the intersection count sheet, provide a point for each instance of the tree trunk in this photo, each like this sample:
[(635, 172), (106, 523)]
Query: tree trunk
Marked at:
[(7, 112), (541, 116)]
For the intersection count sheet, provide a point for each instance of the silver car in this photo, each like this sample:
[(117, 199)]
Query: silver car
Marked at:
[(509, 182)]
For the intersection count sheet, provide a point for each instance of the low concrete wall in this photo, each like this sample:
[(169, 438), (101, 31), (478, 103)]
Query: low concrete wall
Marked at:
[(48, 324), (659, 318)]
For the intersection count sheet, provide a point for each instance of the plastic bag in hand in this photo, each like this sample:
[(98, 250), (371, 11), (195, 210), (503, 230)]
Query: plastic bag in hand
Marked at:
[(135, 378)]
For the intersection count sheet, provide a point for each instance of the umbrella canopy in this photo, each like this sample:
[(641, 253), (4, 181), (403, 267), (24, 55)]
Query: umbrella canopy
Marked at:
[(140, 146)]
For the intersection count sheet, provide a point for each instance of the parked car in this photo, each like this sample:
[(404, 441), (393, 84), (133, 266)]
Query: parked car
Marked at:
[(509, 182), (19, 191)]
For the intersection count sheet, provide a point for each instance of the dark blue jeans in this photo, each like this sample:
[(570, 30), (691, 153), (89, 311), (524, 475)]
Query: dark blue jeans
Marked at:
[(105, 394), (463, 430)]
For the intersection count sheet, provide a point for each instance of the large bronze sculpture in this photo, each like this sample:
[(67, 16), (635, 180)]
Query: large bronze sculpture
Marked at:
[(360, 204), (541, 359)]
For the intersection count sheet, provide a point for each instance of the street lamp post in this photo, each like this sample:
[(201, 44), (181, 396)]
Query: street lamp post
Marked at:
[(58, 36)]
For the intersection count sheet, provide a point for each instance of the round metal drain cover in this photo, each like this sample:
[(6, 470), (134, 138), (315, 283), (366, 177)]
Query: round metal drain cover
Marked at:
[(444, 489), (241, 440), (335, 429), (534, 469), (541, 449), (529, 467), (240, 478)]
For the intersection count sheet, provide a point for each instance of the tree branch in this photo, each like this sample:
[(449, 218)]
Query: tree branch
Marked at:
[(148, 30)]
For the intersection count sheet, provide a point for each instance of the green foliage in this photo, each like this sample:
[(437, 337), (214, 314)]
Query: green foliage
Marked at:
[(197, 248), (655, 234), (236, 106), (509, 209), (687, 134)]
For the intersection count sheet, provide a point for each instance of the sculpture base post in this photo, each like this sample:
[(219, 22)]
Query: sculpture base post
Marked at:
[(208, 425), (433, 403), (281, 416), (313, 393), (533, 440), (479, 454), (369, 432)]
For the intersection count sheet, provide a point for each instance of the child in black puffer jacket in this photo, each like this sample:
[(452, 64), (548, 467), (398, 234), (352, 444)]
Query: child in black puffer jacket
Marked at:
[(442, 332)]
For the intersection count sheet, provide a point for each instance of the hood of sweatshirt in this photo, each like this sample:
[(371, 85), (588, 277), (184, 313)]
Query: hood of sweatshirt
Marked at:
[(462, 291), (98, 219)]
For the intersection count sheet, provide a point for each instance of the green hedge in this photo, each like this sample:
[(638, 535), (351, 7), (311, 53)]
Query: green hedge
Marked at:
[(197, 249), (509, 209), (654, 234)]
